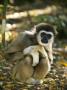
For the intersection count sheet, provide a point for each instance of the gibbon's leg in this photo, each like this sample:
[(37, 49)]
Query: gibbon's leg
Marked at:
[(42, 69), (23, 70)]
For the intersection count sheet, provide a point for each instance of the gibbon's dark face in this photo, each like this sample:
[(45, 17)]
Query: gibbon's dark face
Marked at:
[(45, 37)]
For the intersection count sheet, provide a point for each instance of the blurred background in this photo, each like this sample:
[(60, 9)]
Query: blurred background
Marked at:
[(17, 16)]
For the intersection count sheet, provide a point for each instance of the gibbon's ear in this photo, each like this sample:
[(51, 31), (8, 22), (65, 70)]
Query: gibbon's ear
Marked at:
[(47, 27)]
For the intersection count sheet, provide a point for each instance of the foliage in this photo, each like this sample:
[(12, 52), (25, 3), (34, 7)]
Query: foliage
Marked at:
[(18, 3)]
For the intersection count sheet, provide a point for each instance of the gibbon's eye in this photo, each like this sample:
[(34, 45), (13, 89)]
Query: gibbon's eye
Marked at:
[(49, 36)]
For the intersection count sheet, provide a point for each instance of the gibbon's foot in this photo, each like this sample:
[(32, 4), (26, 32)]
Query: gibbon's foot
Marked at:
[(34, 81)]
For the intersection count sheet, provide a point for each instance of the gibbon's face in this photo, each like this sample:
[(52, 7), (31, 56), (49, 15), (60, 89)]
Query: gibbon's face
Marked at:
[(44, 37), (45, 33)]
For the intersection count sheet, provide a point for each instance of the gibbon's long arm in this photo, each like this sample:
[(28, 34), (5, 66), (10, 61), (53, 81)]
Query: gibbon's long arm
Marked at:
[(34, 51)]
